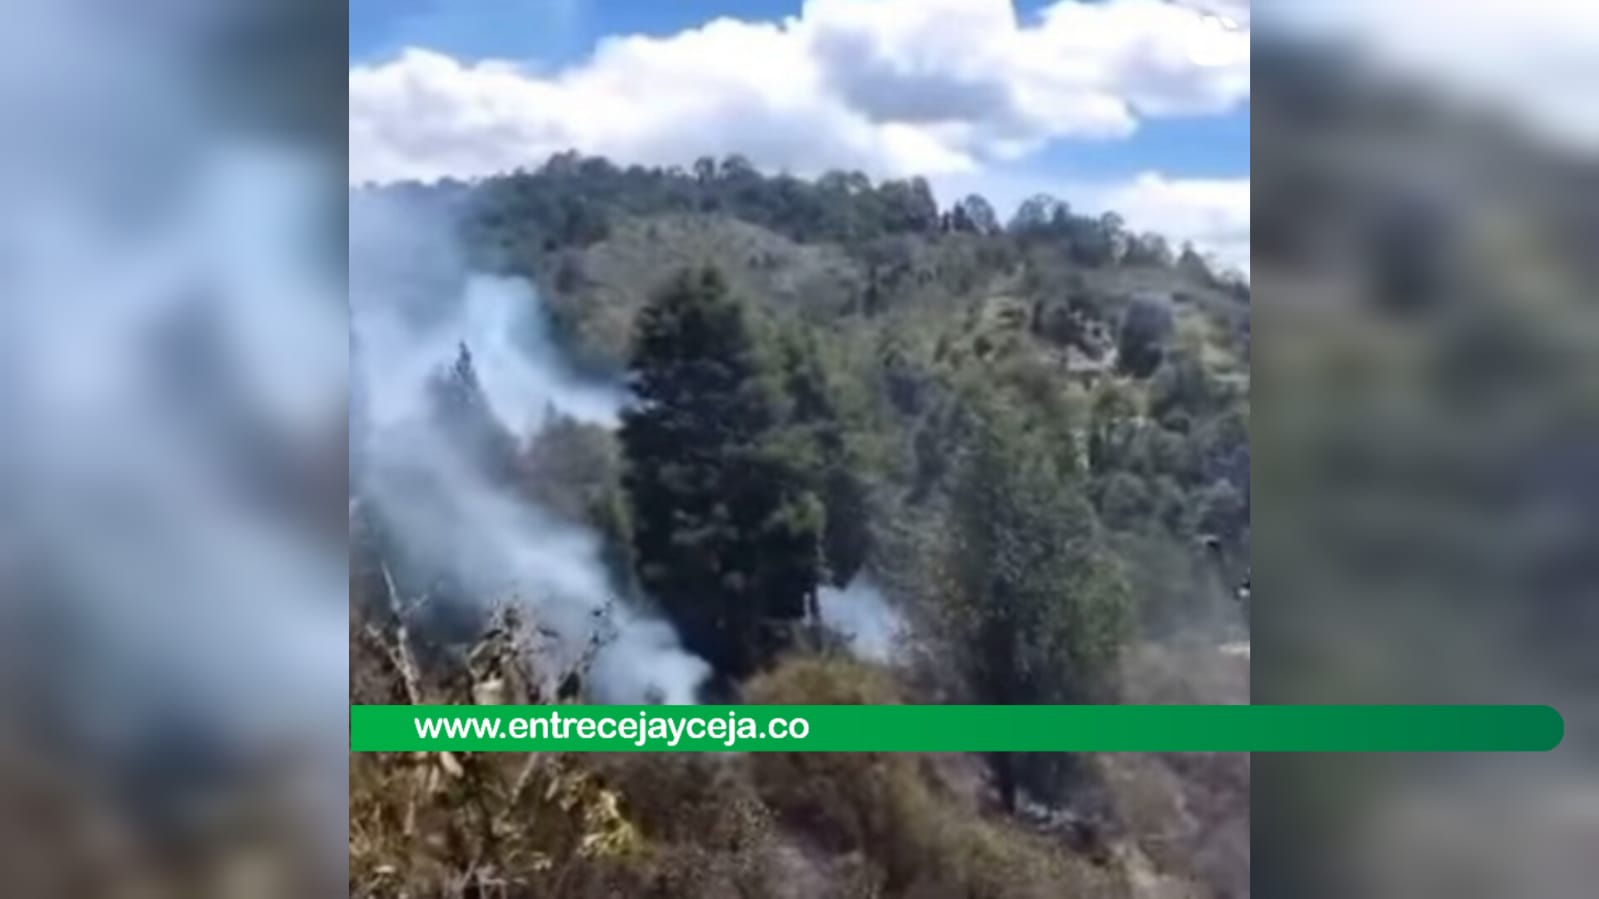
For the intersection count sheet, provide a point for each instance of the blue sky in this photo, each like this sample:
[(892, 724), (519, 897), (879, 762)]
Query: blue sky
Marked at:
[(1094, 100), (554, 32)]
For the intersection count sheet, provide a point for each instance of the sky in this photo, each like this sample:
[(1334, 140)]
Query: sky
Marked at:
[(1141, 106)]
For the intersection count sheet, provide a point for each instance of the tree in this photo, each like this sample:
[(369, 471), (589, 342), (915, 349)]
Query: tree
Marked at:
[(725, 535), (1141, 344), (978, 214), (1184, 385), (1056, 323), (1113, 236), (1124, 501), (1112, 225), (1037, 215), (1112, 430), (1219, 512), (1193, 266), (822, 443), (1148, 249), (1060, 220), (908, 207), (569, 273), (462, 410), (1038, 605)]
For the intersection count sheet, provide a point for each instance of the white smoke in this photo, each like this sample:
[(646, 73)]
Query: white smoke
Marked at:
[(137, 523), (519, 366), (861, 615), (447, 515)]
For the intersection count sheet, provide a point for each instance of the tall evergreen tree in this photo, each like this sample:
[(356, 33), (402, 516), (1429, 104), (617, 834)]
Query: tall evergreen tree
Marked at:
[(462, 409), (726, 537)]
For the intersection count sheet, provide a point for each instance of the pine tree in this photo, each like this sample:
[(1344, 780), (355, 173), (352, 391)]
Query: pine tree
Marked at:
[(461, 409), (726, 537)]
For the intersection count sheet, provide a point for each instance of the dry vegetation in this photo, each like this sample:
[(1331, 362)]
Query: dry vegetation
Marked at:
[(759, 824)]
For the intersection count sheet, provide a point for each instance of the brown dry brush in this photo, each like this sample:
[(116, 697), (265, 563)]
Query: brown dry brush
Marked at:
[(801, 825), (471, 824), (796, 825)]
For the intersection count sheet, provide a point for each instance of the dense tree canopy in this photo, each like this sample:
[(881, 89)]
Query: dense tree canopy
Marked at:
[(1146, 327), (726, 535), (862, 305), (575, 201)]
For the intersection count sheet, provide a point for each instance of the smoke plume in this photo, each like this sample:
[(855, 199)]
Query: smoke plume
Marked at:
[(861, 615), (447, 514)]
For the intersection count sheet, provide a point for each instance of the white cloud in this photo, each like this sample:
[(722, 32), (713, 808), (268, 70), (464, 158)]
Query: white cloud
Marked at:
[(891, 87), (1213, 213)]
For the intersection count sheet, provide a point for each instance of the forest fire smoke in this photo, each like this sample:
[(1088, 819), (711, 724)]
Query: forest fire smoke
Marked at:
[(446, 516)]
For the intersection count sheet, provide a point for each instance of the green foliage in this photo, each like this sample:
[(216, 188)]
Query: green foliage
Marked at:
[(1148, 250), (1113, 430), (976, 215), (726, 534), (824, 440), (1141, 343), (1043, 602), (1125, 501), (575, 201), (1219, 512), (1090, 242), (1184, 386), (1035, 602)]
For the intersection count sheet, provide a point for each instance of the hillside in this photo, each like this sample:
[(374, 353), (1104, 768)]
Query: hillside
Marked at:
[(903, 385)]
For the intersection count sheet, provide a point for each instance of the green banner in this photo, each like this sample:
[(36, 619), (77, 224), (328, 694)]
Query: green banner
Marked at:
[(957, 728)]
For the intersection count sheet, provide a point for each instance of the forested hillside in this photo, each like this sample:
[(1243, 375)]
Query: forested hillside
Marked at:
[(826, 441)]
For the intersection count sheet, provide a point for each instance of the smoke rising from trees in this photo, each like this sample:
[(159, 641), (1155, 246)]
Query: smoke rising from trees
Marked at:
[(450, 517)]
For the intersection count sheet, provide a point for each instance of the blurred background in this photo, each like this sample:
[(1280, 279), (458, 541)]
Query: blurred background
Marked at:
[(172, 391), (172, 384), (1427, 435)]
